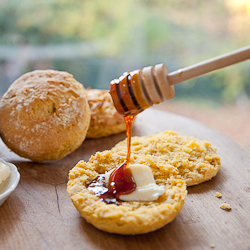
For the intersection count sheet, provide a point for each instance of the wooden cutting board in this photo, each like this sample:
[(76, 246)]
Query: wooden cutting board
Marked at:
[(40, 215)]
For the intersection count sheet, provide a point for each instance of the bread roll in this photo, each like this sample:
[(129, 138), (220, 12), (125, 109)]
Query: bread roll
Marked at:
[(105, 120), (44, 115)]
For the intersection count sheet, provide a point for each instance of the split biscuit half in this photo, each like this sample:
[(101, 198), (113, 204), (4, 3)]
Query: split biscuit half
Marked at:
[(196, 160), (131, 217)]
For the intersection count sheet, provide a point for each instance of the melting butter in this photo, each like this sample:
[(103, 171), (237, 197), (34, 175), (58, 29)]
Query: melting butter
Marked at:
[(4, 172), (146, 188)]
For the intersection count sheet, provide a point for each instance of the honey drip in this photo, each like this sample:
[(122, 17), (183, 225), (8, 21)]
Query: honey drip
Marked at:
[(127, 89), (129, 94), (121, 180)]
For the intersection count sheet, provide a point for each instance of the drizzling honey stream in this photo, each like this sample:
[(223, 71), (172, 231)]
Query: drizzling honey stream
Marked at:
[(121, 181), (131, 95)]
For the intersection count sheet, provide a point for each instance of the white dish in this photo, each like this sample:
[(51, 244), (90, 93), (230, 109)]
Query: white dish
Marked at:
[(10, 184)]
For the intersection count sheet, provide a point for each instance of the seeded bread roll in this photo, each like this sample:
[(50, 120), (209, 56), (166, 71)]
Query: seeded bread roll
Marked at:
[(44, 115), (105, 120), (131, 217), (196, 160)]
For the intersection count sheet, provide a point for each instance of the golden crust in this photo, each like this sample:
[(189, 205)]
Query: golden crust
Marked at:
[(105, 120), (195, 160), (133, 217), (44, 115)]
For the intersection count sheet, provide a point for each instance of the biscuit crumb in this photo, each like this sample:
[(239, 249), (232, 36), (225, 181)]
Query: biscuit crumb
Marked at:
[(225, 206), (212, 245), (218, 195)]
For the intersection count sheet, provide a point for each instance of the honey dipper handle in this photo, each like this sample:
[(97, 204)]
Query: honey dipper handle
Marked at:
[(209, 65)]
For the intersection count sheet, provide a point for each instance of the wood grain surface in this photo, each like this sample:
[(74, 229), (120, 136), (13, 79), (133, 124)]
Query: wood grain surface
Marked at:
[(40, 215)]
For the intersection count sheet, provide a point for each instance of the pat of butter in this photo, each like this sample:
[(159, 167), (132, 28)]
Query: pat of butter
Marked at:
[(4, 172), (146, 188)]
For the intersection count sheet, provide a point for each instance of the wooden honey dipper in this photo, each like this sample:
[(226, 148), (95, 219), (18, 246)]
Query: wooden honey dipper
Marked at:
[(135, 91)]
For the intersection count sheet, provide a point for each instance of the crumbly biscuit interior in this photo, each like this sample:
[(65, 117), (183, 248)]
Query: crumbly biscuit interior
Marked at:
[(196, 160), (133, 217)]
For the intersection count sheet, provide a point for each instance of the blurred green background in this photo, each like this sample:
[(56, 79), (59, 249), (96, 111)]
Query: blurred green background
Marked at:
[(97, 41)]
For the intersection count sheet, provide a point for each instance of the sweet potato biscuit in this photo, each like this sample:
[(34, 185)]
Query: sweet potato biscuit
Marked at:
[(131, 217), (44, 115), (105, 120), (195, 160)]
